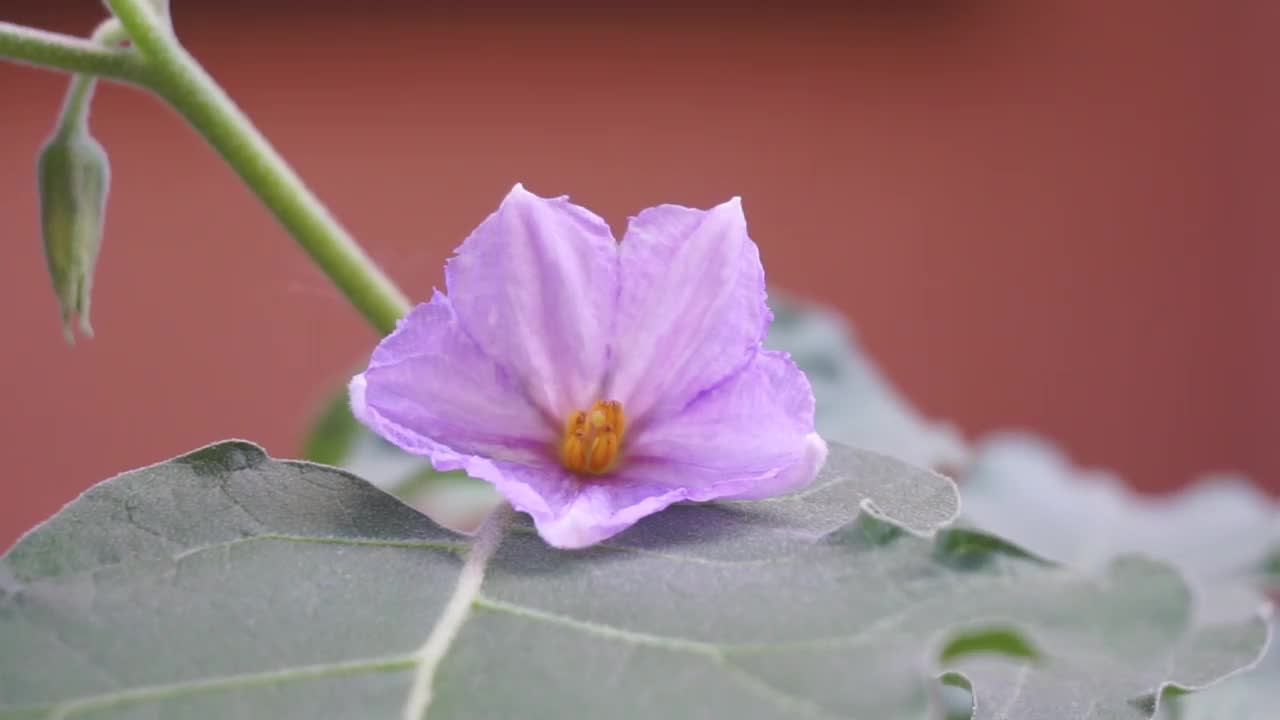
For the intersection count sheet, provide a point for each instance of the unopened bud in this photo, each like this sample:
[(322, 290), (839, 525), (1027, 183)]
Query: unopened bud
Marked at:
[(73, 176)]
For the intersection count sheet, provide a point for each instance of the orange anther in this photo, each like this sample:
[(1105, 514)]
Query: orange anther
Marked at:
[(612, 413), (573, 451), (604, 449), (592, 439), (576, 421)]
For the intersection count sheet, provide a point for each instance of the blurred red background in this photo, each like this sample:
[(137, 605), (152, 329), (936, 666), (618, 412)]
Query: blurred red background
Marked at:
[(1054, 215)]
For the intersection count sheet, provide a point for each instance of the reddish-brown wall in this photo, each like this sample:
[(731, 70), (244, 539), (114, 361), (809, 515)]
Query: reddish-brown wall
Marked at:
[(1056, 215)]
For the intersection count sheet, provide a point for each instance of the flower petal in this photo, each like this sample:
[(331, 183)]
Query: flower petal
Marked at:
[(600, 510), (430, 390), (750, 437), (691, 309), (569, 511), (536, 285), (542, 489)]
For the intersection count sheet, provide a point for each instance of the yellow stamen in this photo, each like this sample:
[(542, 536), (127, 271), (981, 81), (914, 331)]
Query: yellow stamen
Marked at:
[(592, 439), (603, 451), (576, 421)]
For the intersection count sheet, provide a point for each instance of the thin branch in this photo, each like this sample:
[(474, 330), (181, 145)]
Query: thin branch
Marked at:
[(57, 51), (159, 63), (179, 79)]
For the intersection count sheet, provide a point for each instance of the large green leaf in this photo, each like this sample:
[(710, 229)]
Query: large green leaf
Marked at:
[(1218, 530), (226, 584), (1251, 696)]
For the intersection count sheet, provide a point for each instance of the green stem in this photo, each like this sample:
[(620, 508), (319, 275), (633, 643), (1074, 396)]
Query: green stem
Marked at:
[(75, 108), (180, 80), (160, 64), (65, 52)]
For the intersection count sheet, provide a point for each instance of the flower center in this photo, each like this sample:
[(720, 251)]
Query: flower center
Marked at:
[(593, 438)]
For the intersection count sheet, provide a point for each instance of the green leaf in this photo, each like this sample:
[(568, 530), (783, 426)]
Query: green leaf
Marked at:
[(1217, 532), (1269, 573), (1220, 529), (1254, 695), (856, 403), (334, 433), (226, 584)]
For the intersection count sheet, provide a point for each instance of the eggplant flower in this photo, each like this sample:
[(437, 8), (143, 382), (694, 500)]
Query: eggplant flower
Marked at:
[(595, 382)]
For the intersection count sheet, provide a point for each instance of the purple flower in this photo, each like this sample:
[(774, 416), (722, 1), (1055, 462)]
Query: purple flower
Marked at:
[(596, 382)]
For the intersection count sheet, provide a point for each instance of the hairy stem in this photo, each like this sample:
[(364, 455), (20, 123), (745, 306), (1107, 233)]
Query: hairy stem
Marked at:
[(75, 108), (180, 80), (159, 63), (57, 51)]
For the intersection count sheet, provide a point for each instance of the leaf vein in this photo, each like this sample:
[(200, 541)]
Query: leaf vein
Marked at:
[(679, 644), (369, 542), (784, 700), (609, 632), (676, 557), (713, 652), (148, 693), (456, 611)]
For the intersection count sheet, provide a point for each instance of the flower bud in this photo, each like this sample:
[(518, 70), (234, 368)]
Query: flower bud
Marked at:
[(73, 176)]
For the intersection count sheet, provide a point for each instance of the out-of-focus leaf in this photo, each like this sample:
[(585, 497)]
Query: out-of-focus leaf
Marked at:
[(856, 404), (1254, 695), (1222, 532), (225, 584), (1022, 488), (334, 433), (1271, 570)]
